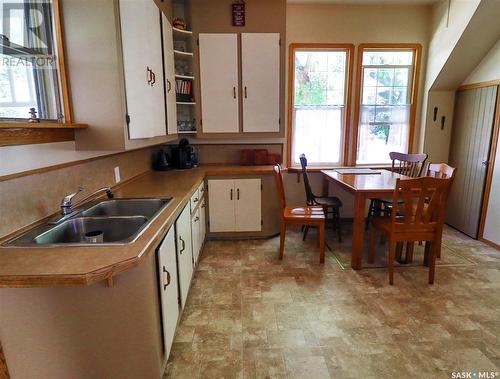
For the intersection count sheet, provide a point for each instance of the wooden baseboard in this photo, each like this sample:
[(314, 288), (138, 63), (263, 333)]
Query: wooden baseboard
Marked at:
[(489, 243)]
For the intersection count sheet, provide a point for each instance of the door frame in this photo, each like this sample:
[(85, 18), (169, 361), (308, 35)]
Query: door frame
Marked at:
[(491, 156)]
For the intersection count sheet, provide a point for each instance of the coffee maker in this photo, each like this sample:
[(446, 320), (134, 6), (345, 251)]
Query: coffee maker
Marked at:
[(184, 155)]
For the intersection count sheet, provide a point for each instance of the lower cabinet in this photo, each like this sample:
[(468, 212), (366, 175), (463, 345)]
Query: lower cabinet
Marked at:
[(169, 290), (184, 252), (195, 228), (235, 205)]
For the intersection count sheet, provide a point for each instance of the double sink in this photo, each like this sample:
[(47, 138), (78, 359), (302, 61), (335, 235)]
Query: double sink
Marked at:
[(116, 221)]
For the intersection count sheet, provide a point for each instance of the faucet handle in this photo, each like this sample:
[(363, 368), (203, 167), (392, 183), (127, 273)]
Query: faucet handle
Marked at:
[(66, 202)]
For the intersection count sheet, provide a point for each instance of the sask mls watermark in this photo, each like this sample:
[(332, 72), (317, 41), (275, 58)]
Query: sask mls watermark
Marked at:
[(474, 374), (26, 37)]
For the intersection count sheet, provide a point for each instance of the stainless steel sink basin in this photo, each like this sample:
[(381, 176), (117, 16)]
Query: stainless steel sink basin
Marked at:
[(121, 221), (126, 207), (113, 229)]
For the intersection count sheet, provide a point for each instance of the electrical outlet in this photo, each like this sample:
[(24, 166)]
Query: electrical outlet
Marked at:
[(117, 174)]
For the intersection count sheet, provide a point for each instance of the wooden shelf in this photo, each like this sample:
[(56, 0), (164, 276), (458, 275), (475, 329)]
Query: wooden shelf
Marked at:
[(184, 77), (183, 53), (180, 31), (26, 133), (185, 103), (186, 132), (40, 125)]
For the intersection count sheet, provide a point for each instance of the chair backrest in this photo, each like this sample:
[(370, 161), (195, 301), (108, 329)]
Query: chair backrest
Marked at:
[(280, 190), (419, 203), (305, 177), (440, 170), (408, 164)]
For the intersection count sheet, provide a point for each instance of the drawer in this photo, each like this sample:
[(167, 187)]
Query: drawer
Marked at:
[(201, 190), (195, 199)]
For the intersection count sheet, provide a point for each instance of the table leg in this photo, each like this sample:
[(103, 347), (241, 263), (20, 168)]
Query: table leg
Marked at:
[(357, 231)]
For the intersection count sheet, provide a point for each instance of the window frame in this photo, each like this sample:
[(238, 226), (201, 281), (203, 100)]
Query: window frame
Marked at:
[(349, 49), (417, 55)]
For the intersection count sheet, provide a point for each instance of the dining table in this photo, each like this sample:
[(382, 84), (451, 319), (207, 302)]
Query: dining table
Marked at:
[(363, 184)]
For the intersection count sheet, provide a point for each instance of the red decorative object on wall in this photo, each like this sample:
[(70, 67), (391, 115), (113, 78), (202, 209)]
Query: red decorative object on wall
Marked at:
[(239, 13)]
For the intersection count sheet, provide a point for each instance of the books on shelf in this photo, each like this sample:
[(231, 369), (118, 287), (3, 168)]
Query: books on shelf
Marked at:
[(184, 90)]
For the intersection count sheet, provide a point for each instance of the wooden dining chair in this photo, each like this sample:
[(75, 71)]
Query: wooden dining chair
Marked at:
[(434, 170), (302, 215), (406, 164), (418, 215), (331, 204)]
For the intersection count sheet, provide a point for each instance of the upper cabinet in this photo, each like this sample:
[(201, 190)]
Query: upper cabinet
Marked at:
[(143, 68), (260, 75), (116, 68), (221, 90), (219, 83)]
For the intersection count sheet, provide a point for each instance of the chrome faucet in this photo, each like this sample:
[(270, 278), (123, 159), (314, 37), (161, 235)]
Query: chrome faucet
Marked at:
[(67, 201)]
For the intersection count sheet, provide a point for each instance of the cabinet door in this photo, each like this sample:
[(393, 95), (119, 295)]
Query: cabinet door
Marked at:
[(195, 229), (168, 57), (142, 67), (203, 223), (184, 252), (221, 202), (248, 212), (219, 83), (260, 71), (169, 291)]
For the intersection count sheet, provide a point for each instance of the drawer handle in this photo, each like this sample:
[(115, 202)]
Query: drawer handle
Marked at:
[(169, 86), (238, 194), (195, 200), (203, 205), (183, 245), (231, 194), (196, 218), (168, 278), (234, 92)]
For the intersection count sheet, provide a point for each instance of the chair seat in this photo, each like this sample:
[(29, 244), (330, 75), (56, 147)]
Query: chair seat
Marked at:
[(331, 201), (304, 213), (383, 223)]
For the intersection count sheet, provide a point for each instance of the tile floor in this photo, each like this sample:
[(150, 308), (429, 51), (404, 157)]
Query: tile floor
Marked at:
[(250, 315)]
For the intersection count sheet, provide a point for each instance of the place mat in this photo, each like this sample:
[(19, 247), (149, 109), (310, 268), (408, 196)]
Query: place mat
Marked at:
[(357, 171)]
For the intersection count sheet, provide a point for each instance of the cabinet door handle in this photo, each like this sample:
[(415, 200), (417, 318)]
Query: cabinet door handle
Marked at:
[(195, 200), (234, 92), (169, 86), (183, 245), (238, 194), (203, 205), (168, 278), (246, 92), (153, 78), (231, 194), (196, 218), (148, 74)]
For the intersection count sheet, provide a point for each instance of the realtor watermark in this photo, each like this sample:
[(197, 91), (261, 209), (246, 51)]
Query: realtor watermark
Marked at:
[(474, 375)]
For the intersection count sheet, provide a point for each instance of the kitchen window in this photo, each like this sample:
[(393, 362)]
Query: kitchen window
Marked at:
[(319, 102), (386, 101)]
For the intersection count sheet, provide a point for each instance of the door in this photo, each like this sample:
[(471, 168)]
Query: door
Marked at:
[(195, 230), (260, 71), (168, 58), (169, 291), (248, 213), (220, 201), (470, 146), (219, 83), (184, 252), (142, 68)]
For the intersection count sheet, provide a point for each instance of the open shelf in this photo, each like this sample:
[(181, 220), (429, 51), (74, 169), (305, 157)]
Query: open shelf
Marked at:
[(184, 32), (184, 77), (185, 103), (183, 53), (186, 132)]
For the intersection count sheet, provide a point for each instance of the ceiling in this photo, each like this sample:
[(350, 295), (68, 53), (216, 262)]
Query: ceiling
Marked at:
[(372, 2)]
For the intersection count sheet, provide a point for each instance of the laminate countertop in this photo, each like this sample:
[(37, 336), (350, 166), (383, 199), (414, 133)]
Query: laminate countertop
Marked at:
[(85, 265)]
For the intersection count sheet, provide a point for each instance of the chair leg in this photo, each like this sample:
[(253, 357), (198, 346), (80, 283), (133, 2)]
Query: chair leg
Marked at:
[(426, 253), (321, 236), (282, 238), (392, 252), (432, 261), (371, 248), (368, 218), (306, 230), (409, 252)]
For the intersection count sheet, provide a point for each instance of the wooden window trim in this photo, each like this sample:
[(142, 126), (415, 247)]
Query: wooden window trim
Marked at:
[(349, 47), (22, 132), (417, 51)]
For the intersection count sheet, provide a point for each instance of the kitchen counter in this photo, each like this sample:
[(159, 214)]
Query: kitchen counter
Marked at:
[(86, 265)]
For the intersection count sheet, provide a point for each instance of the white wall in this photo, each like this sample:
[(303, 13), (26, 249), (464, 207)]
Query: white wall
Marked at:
[(488, 69)]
